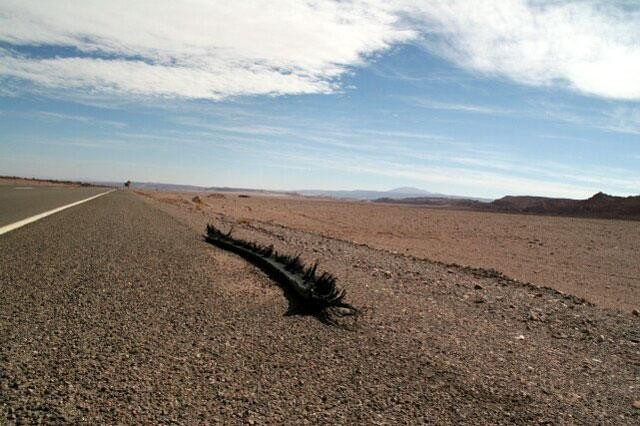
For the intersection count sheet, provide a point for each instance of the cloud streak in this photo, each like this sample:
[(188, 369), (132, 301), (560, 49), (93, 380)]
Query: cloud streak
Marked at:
[(215, 50), (194, 49), (592, 47), (56, 116)]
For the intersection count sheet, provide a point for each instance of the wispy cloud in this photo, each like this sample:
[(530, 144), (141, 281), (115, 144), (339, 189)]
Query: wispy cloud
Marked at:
[(92, 143), (49, 115), (195, 49), (477, 168), (439, 178), (590, 46), (609, 118), (211, 50), (623, 119), (459, 107)]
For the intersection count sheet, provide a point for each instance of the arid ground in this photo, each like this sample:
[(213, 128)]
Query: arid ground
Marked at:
[(437, 342), (595, 259), (118, 312)]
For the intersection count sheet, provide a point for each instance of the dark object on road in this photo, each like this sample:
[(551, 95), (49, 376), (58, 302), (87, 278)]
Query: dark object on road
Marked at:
[(318, 293)]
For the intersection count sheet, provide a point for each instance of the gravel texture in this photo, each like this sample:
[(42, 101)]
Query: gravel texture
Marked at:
[(116, 312), (596, 259)]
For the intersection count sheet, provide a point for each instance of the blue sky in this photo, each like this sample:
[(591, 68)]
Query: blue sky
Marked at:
[(469, 98)]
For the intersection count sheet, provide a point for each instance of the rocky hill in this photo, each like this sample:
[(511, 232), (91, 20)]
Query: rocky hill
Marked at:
[(600, 205)]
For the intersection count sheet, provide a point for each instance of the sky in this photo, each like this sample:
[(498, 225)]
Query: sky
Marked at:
[(466, 97)]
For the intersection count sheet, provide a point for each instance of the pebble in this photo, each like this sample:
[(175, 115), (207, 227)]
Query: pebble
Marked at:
[(478, 287), (636, 404), (520, 337), (636, 312)]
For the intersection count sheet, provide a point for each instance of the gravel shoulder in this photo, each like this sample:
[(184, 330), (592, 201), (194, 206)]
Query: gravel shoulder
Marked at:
[(449, 344), (118, 312)]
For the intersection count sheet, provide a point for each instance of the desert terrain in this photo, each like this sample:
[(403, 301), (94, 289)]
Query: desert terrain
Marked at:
[(595, 259), (436, 342), (124, 314), (26, 182)]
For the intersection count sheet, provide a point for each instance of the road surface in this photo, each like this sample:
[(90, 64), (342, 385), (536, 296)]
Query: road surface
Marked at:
[(21, 202)]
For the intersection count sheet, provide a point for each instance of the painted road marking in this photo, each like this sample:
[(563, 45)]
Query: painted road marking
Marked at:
[(23, 222)]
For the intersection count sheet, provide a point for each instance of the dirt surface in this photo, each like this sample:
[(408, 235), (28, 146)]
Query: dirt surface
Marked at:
[(116, 312), (595, 259), (442, 344), (19, 181), (599, 206)]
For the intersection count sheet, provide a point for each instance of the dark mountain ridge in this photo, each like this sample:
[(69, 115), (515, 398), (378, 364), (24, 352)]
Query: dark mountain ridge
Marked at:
[(600, 205)]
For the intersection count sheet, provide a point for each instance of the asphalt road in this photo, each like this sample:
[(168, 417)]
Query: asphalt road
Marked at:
[(102, 308), (21, 202)]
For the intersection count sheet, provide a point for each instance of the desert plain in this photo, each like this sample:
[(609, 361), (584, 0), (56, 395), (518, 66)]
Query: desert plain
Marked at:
[(126, 315), (466, 317), (595, 259)]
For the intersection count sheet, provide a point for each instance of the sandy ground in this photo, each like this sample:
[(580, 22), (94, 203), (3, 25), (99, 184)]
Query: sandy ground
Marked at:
[(595, 259), (17, 181), (437, 344), (118, 312)]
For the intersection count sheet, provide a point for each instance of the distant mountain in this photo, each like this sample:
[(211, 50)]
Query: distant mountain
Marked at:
[(167, 187), (438, 201), (600, 205), (393, 194), (193, 188), (403, 190)]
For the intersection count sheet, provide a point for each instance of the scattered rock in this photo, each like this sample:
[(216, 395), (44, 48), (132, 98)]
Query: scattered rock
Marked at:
[(520, 337), (636, 404), (478, 287), (197, 199), (636, 312)]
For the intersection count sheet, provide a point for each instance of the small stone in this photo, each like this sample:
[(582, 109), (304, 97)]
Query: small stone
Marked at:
[(478, 287), (636, 312), (636, 404), (520, 337)]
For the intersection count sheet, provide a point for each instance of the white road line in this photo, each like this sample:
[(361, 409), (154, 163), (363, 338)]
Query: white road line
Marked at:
[(23, 222)]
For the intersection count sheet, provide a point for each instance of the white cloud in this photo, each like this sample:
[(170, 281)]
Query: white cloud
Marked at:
[(218, 49), (623, 120), (591, 46), (458, 107), (195, 49), (56, 116)]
